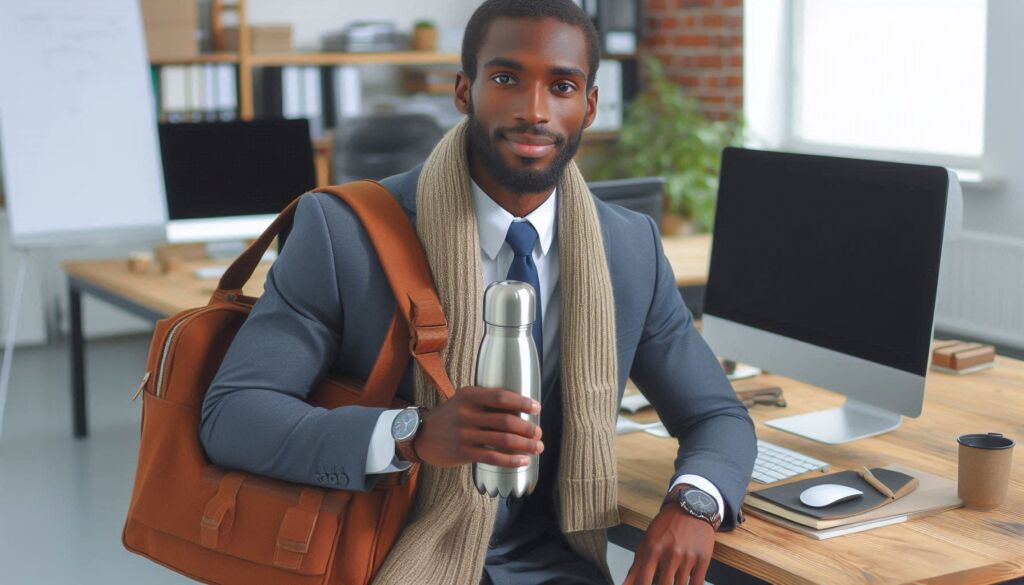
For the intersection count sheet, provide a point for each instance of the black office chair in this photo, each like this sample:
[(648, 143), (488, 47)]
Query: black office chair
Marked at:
[(381, 145), (642, 194)]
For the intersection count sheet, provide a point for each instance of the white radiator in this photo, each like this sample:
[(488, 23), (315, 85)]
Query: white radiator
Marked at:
[(981, 289)]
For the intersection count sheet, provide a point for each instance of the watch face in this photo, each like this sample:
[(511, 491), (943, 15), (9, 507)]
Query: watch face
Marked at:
[(701, 502), (405, 424)]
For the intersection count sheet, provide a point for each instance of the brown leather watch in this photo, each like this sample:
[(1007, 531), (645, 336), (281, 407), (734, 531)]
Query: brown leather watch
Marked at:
[(403, 431), (697, 503)]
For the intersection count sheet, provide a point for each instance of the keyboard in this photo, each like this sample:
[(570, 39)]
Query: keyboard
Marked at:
[(775, 463)]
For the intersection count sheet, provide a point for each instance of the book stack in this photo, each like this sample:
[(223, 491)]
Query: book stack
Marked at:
[(781, 504)]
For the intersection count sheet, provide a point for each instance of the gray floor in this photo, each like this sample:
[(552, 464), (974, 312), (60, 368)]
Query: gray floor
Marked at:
[(62, 501)]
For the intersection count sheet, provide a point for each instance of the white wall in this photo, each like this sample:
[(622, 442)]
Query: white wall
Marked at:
[(1001, 211)]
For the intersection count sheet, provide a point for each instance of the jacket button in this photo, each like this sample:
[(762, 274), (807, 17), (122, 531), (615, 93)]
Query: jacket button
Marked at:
[(492, 544)]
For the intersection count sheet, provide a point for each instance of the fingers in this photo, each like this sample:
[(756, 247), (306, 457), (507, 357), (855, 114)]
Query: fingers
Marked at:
[(482, 455), (668, 567), (642, 571), (507, 423), (506, 442), (501, 399), (700, 570)]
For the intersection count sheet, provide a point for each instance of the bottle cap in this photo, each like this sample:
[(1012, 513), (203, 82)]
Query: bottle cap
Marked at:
[(510, 303)]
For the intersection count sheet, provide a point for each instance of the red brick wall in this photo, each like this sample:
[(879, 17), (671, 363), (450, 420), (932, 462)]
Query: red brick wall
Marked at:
[(700, 45)]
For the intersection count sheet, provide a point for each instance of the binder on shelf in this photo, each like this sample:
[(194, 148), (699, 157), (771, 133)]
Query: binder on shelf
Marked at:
[(301, 96), (348, 92), (226, 101), (173, 93), (609, 106)]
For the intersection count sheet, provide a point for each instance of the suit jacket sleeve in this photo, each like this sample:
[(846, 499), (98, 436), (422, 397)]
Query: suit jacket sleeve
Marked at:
[(254, 417), (676, 370)]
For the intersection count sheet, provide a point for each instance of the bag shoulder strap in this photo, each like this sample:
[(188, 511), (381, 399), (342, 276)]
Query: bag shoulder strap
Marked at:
[(406, 268)]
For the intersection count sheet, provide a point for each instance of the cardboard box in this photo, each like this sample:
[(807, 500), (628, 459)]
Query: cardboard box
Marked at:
[(171, 28), (265, 38), (171, 42), (164, 12)]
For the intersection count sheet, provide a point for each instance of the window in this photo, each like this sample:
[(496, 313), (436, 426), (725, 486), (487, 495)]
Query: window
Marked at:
[(902, 79)]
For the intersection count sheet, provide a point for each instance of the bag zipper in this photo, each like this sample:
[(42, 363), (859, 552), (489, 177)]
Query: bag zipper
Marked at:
[(145, 378), (158, 391)]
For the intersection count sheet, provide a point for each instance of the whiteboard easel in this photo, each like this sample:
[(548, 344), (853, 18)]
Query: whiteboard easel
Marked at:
[(78, 128)]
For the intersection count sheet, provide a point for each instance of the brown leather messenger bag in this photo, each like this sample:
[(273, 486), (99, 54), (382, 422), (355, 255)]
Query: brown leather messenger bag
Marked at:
[(226, 526)]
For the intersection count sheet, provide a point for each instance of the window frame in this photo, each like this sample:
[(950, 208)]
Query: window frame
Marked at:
[(791, 140)]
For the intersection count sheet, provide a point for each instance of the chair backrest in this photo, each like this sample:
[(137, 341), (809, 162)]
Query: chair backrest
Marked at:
[(642, 194), (381, 145)]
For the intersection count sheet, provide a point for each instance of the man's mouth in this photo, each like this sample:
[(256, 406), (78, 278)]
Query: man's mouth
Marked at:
[(530, 145)]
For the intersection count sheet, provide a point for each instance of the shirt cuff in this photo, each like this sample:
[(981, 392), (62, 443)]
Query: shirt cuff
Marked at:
[(703, 485), (381, 458)]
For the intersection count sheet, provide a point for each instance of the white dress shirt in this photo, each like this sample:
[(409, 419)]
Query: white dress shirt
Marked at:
[(496, 256)]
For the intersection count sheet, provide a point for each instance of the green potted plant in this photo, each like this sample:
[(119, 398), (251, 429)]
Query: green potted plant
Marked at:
[(665, 133), (424, 36)]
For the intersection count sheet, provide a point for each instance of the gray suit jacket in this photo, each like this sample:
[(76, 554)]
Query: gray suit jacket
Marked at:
[(328, 281)]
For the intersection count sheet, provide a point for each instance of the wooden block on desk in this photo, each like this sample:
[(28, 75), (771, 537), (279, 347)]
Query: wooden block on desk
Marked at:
[(958, 356)]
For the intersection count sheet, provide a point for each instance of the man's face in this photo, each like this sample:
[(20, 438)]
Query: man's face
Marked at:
[(529, 104)]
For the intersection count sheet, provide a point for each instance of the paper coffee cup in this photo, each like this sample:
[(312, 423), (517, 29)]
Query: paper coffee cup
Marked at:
[(983, 469)]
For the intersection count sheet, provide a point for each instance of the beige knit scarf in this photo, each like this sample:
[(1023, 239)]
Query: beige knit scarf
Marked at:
[(445, 540)]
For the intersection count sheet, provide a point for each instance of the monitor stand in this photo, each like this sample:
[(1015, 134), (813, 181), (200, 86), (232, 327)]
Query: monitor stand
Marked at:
[(849, 422)]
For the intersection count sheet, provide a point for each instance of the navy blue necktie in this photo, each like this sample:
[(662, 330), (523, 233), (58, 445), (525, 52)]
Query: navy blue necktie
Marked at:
[(521, 238)]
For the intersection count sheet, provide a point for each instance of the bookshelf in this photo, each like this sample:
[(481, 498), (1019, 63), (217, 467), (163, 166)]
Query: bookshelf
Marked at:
[(245, 61)]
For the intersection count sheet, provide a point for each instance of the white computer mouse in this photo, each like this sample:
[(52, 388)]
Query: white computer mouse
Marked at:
[(828, 494)]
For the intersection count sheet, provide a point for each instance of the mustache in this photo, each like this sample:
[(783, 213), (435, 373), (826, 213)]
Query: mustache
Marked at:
[(501, 133)]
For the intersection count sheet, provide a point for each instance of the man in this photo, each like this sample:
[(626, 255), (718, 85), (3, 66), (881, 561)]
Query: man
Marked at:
[(498, 198)]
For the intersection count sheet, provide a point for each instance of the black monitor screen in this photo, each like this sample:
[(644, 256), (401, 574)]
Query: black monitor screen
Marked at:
[(223, 169), (839, 253)]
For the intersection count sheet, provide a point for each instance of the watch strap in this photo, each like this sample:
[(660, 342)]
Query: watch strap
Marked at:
[(405, 449)]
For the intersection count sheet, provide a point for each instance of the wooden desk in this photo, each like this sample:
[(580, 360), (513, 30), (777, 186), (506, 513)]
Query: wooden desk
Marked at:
[(959, 546), (155, 296), (690, 257)]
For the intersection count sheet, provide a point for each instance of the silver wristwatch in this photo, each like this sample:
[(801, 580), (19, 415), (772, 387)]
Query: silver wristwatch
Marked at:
[(403, 431), (697, 503)]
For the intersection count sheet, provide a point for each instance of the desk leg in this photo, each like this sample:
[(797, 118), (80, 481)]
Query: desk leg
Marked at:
[(79, 423)]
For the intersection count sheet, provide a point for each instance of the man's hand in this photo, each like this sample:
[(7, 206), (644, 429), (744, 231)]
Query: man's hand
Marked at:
[(455, 432), (676, 547)]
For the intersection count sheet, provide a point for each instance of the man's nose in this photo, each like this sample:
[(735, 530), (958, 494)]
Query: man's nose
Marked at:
[(533, 106)]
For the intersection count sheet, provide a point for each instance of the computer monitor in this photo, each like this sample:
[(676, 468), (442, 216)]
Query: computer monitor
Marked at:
[(642, 194), (228, 180), (825, 270)]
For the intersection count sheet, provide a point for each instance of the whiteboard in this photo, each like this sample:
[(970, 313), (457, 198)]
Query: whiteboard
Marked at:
[(78, 139)]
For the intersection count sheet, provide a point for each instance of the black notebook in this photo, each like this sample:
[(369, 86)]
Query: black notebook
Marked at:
[(784, 500)]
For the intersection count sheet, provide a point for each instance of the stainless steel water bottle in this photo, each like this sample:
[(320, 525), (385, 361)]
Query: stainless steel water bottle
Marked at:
[(508, 359)]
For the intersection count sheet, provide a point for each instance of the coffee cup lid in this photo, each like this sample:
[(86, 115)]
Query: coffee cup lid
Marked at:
[(986, 441)]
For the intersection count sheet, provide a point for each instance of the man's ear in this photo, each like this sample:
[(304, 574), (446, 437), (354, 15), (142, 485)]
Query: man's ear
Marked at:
[(591, 107), (462, 97)]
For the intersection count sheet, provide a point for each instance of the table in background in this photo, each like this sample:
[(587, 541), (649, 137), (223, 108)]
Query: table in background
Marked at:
[(156, 296), (957, 547)]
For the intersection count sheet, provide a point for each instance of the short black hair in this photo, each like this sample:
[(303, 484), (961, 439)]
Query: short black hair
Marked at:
[(564, 10)]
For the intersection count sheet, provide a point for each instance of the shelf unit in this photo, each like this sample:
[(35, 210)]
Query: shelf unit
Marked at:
[(245, 61)]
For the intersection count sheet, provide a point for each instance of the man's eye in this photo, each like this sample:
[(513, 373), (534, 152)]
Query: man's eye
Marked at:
[(502, 79), (564, 87)]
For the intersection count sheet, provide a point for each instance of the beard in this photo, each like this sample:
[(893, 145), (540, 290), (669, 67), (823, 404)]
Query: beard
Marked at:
[(521, 180)]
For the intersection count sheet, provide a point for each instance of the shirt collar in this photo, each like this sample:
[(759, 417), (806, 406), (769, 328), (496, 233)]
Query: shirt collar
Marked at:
[(492, 221)]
